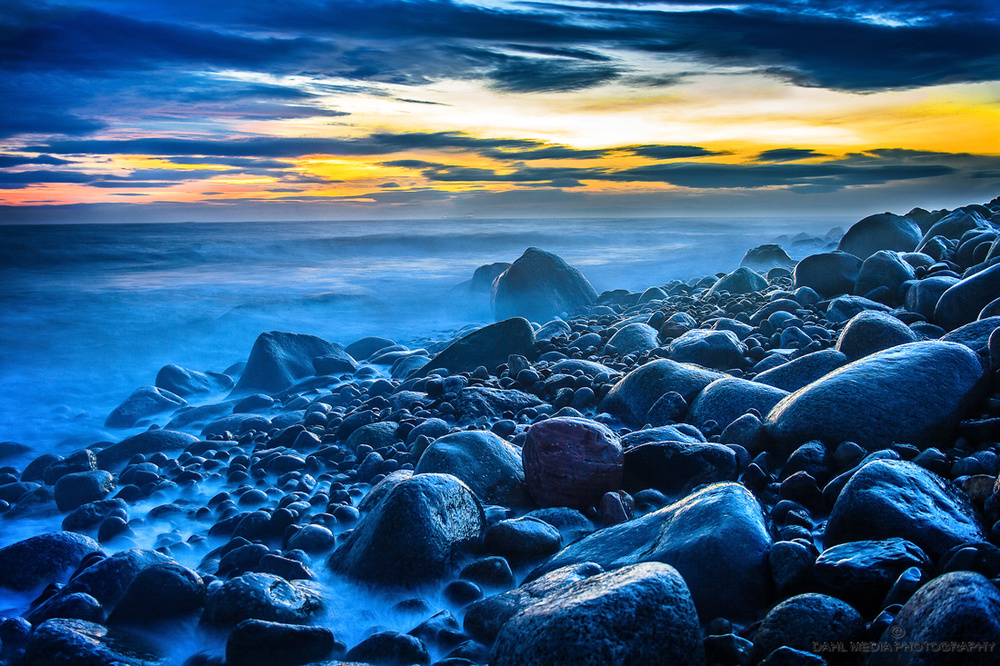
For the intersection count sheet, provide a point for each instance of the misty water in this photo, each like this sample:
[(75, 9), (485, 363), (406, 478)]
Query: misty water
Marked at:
[(88, 313)]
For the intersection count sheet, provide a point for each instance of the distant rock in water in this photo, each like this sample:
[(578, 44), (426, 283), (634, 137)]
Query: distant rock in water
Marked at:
[(488, 346), (765, 257), (278, 359), (743, 280), (482, 279), (885, 231), (538, 286), (185, 382), (145, 401)]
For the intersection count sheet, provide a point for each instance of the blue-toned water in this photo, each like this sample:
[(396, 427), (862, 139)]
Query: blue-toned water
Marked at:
[(90, 312)]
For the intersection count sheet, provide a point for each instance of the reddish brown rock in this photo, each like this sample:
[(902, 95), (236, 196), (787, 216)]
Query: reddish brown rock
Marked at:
[(571, 462)]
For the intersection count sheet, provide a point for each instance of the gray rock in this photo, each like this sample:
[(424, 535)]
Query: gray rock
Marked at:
[(75, 490), (894, 498), (806, 619), (743, 280), (631, 398), (802, 371), (725, 400), (880, 232), (957, 608), (828, 273), (278, 359), (46, 558), (476, 401), (913, 393), (144, 402), (488, 346), (884, 269), (489, 465), (260, 596), (721, 350), (869, 332), (639, 614), (635, 338), (964, 300), (539, 285), (144, 443), (184, 382), (417, 533), (717, 538)]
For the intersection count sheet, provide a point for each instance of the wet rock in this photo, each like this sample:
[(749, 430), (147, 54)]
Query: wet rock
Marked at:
[(952, 226), (957, 608), (828, 273), (490, 572), (42, 559), (77, 606), (107, 579), (763, 258), (884, 269), (571, 462), (964, 300), (390, 648), (802, 371), (635, 338), (488, 346), (843, 308), (523, 539), (365, 348), (539, 285), (638, 614), (278, 359), (489, 465), (674, 468), (805, 620), (880, 232), (870, 332), (261, 596), (334, 363), (720, 350), (184, 382), (474, 402), (160, 592), (743, 280), (379, 436), (80, 643), (91, 514), (974, 335), (922, 296), (913, 393), (725, 400), (75, 490), (237, 424), (142, 403), (418, 532), (260, 643), (633, 396), (145, 443), (894, 498), (717, 538)]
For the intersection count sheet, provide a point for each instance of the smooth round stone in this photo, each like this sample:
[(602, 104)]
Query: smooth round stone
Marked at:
[(872, 331), (79, 488), (884, 231), (260, 643), (390, 648), (571, 462), (720, 350), (806, 619), (523, 539), (492, 572), (828, 273), (43, 559), (489, 465), (261, 596), (539, 285), (160, 592), (743, 280)]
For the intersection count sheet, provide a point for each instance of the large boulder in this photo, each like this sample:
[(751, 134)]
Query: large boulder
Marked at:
[(144, 402), (261, 596), (42, 559), (885, 231), (483, 277), (806, 620), (872, 331), (145, 443), (631, 398), (160, 592), (725, 400), (278, 359), (184, 381), (828, 273), (974, 335), (66, 642), (634, 338), (488, 346), (964, 300), (260, 643), (922, 296), (884, 269), (914, 393), (79, 488), (895, 498), (952, 226), (743, 280), (676, 467), (571, 462), (538, 286), (639, 614), (802, 371), (717, 538), (957, 609), (763, 258), (417, 533), (720, 350), (108, 579), (489, 465)]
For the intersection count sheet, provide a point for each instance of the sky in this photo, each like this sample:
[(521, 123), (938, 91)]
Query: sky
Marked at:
[(164, 110)]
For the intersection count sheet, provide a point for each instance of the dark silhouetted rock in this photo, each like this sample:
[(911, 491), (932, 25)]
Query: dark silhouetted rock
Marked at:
[(59, 642), (75, 490), (489, 465), (46, 558), (862, 572), (805, 620), (523, 539), (922, 296), (964, 300), (538, 286), (390, 648), (880, 232), (160, 592), (488, 346), (674, 468), (277, 360), (144, 443), (828, 273), (765, 257), (260, 643), (107, 580)]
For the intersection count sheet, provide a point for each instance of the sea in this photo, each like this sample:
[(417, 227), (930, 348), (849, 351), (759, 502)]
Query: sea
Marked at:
[(90, 312)]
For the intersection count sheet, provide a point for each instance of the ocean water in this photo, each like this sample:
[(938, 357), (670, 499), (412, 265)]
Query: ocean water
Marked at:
[(90, 312)]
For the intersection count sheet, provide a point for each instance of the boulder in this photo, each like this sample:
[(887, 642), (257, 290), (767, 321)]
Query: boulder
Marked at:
[(895, 498), (843, 308), (538, 286), (488, 346), (880, 232), (474, 402), (79, 488), (524, 539), (277, 360), (956, 609), (675, 468), (107, 580), (964, 300), (802, 371), (884, 269), (64, 642), (725, 400), (952, 226), (872, 331), (160, 592), (743, 280), (639, 614), (914, 393), (922, 296), (144, 402), (145, 443), (419, 532), (631, 398), (483, 277), (634, 338), (334, 363), (184, 382), (365, 348), (828, 273), (717, 538), (42, 559), (261, 643), (489, 465), (260, 596), (763, 258), (974, 335), (862, 572), (805, 620), (389, 648), (720, 350)]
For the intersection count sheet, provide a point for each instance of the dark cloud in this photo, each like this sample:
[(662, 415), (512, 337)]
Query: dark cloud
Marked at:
[(788, 154), (668, 152), (19, 160)]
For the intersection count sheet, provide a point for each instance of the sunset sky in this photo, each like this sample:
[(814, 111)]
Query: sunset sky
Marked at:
[(159, 110)]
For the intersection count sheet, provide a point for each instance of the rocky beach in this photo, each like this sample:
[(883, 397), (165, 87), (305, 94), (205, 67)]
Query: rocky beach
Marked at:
[(789, 462)]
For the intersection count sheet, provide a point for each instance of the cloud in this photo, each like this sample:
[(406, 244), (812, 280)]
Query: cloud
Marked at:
[(668, 152), (788, 155)]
